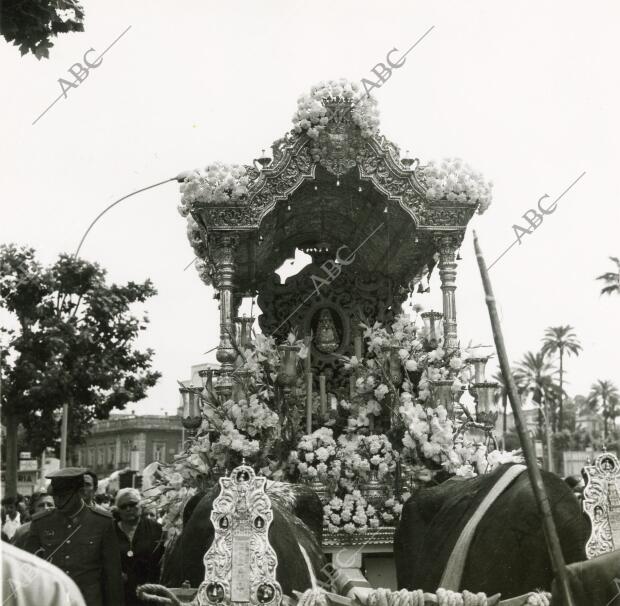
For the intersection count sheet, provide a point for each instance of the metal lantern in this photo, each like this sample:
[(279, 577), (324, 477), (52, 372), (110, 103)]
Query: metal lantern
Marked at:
[(433, 321), (479, 364), (287, 373), (441, 393), (486, 410), (192, 417), (245, 330)]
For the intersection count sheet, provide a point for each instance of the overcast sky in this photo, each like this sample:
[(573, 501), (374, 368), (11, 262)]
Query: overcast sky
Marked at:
[(526, 92)]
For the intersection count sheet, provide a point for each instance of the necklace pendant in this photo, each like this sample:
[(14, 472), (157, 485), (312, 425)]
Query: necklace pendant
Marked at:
[(130, 554)]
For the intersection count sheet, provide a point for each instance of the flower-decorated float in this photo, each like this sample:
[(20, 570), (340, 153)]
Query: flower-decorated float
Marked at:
[(340, 386)]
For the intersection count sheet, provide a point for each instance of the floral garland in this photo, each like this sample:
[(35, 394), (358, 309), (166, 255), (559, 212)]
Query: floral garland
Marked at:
[(312, 117), (455, 181), (218, 183)]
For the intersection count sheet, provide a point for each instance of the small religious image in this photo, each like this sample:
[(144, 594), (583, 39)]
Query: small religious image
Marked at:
[(607, 464), (265, 593), (259, 522), (327, 330), (243, 476), (224, 523), (215, 593)]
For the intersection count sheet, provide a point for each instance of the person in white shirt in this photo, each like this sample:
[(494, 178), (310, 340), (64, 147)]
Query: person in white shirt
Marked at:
[(30, 581), (11, 520)]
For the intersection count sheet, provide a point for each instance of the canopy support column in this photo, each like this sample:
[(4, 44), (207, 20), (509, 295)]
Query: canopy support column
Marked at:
[(223, 247), (448, 245)]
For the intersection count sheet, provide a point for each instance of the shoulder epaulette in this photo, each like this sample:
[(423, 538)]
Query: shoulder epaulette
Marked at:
[(99, 510), (41, 514)]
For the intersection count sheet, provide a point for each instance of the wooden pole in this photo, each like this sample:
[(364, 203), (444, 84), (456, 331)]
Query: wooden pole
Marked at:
[(309, 395), (551, 535)]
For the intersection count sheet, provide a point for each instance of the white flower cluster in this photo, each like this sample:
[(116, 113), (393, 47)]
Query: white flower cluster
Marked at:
[(363, 455), (218, 183), (352, 514), (432, 432), (455, 181), (315, 457), (231, 438), (311, 115), (171, 495), (252, 416), (392, 509)]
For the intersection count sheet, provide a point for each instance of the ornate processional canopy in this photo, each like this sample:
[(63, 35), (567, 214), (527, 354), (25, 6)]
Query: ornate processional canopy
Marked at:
[(341, 192)]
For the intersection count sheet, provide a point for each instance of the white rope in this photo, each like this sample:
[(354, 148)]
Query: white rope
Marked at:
[(539, 598), (445, 597), (312, 597)]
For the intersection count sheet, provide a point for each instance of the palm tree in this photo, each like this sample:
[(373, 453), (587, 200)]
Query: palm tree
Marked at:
[(563, 340), (535, 375), (612, 279), (604, 396)]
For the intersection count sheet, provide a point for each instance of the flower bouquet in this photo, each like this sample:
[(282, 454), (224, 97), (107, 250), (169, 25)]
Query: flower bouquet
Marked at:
[(455, 181), (217, 184), (315, 457), (312, 115)]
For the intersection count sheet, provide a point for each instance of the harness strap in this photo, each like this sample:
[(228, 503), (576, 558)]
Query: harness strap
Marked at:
[(453, 573)]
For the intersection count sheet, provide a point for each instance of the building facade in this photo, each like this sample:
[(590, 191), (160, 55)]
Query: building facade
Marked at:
[(130, 441)]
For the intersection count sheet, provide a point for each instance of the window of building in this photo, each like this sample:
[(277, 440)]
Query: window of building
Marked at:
[(79, 457), (126, 449), (159, 452), (111, 454), (91, 457), (100, 455)]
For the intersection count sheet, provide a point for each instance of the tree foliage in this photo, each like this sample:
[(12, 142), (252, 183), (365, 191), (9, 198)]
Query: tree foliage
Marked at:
[(535, 375), (604, 399), (612, 279), (74, 342), (31, 24)]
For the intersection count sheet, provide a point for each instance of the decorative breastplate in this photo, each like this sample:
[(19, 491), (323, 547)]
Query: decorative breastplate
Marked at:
[(240, 565)]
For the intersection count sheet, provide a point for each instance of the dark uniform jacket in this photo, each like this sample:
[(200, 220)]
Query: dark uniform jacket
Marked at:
[(142, 566), (84, 547)]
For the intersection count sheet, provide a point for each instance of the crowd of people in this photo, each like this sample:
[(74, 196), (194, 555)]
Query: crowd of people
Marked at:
[(98, 549)]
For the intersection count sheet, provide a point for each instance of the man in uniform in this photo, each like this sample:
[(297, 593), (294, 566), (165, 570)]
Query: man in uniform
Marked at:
[(79, 540)]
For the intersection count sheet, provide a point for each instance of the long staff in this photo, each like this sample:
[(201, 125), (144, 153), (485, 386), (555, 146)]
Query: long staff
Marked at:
[(551, 534)]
